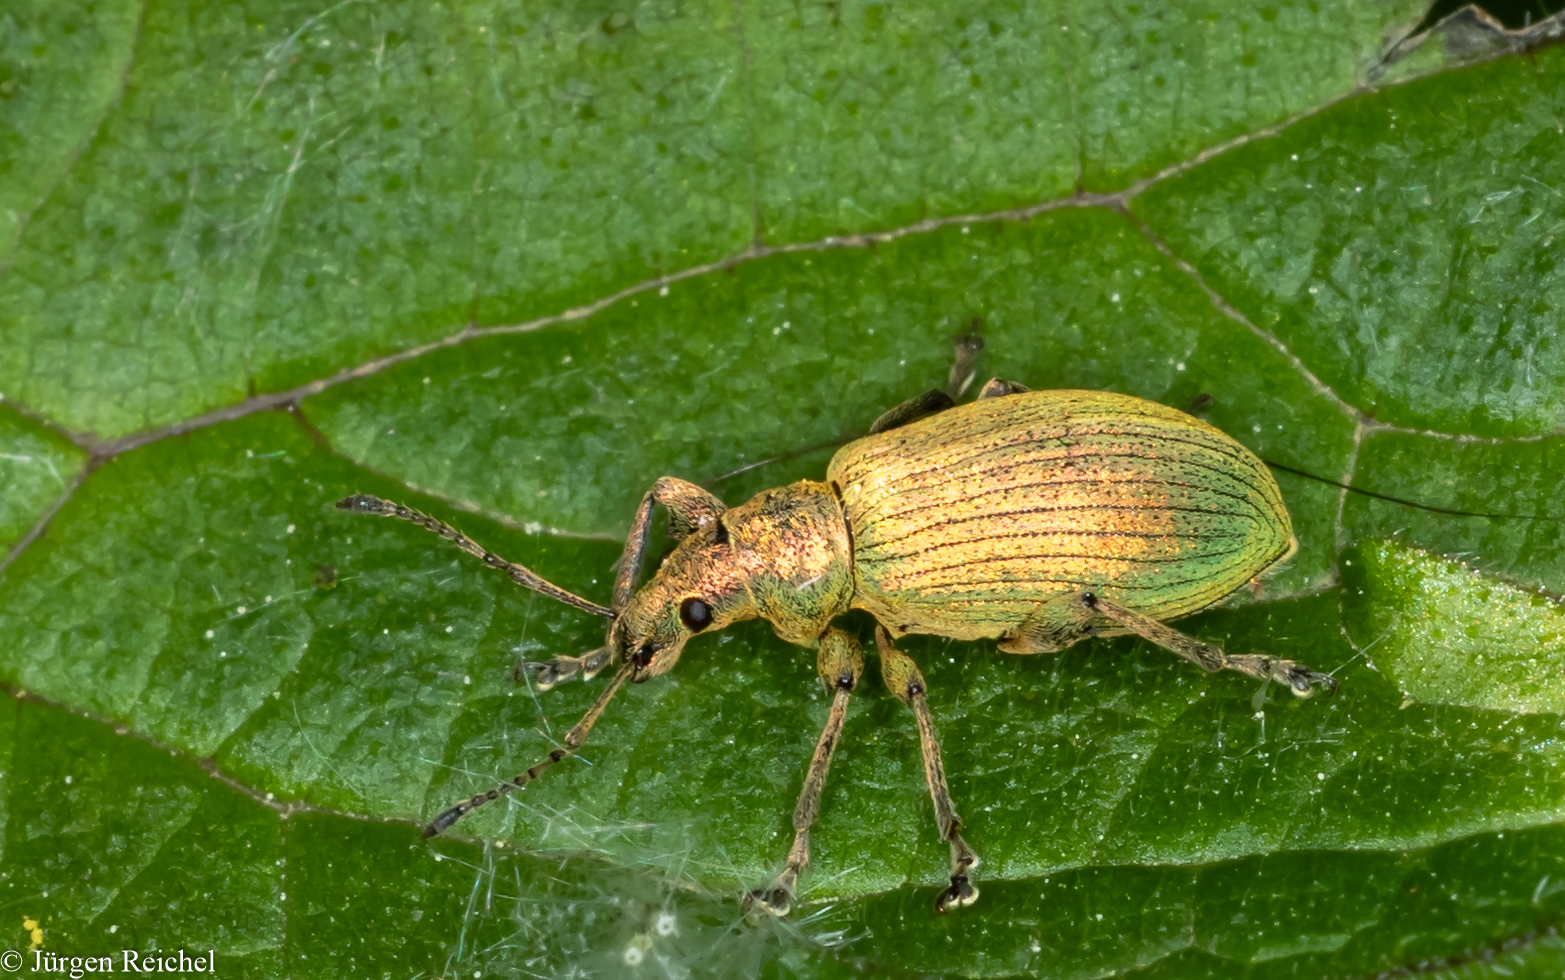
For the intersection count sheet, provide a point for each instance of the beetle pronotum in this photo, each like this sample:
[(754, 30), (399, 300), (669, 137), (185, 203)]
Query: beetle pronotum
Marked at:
[(1035, 518)]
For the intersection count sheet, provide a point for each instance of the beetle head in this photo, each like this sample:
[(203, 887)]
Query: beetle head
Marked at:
[(696, 590), (785, 555)]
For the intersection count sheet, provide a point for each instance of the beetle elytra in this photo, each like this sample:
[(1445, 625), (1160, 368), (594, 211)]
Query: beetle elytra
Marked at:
[(1034, 518)]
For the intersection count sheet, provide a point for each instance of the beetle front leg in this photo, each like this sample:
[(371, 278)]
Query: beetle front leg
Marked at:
[(904, 680), (840, 664), (689, 508), (1298, 678)]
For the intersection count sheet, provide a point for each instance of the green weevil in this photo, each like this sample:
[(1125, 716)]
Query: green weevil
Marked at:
[(1035, 518)]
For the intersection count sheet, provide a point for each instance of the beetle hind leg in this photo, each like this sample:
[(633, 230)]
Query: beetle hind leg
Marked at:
[(1054, 625), (1299, 679)]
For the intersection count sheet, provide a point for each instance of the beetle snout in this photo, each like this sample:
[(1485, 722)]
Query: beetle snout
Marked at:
[(695, 591), (650, 650), (651, 660)]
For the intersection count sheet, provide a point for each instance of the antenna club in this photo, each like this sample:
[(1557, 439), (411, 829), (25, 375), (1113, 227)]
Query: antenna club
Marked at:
[(363, 503)]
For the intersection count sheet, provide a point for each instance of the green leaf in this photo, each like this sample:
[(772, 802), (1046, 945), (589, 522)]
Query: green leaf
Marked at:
[(111, 845), (1445, 634), (37, 466), (827, 341), (1385, 245), (398, 169), (511, 264), (61, 68), (1516, 481)]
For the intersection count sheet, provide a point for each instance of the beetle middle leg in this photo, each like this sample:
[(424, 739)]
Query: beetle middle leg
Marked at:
[(840, 664), (999, 388), (915, 408), (904, 680)]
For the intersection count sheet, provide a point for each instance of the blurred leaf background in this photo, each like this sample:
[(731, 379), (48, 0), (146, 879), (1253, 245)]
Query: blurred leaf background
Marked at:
[(510, 262)]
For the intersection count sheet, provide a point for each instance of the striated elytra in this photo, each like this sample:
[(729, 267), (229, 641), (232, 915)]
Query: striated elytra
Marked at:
[(1034, 518), (965, 521)]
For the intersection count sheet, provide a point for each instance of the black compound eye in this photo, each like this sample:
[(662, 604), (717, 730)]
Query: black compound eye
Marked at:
[(695, 614), (643, 656)]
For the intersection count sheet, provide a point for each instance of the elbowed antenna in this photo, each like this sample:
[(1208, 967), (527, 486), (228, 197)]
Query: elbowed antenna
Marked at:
[(572, 741), (363, 503)]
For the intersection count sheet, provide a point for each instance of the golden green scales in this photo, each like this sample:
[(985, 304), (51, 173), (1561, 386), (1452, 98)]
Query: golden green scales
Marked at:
[(1035, 518)]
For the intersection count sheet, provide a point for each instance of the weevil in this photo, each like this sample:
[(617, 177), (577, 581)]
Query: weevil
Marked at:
[(1034, 518)]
